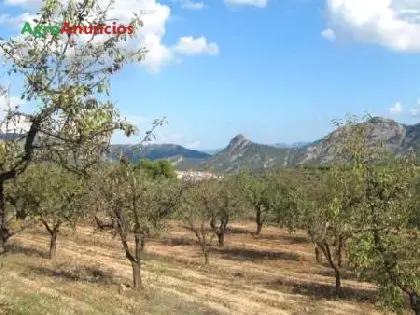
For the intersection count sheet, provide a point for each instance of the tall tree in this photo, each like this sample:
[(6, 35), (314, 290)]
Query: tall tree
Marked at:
[(67, 78)]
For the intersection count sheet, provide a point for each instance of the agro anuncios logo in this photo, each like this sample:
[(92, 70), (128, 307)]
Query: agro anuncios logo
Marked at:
[(43, 30)]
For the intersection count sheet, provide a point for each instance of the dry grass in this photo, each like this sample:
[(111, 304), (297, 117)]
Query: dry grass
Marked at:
[(272, 274)]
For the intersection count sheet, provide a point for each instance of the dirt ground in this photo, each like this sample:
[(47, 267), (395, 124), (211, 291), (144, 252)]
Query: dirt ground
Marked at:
[(274, 273)]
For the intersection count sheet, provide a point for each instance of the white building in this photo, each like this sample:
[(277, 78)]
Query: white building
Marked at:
[(196, 175)]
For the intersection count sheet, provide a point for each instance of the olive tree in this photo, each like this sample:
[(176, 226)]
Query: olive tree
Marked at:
[(70, 118)]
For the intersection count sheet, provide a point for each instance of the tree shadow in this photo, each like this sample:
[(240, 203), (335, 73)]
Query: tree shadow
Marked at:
[(235, 253), (188, 228), (78, 274), (322, 291), (27, 251), (237, 230), (293, 239), (178, 241), (345, 275)]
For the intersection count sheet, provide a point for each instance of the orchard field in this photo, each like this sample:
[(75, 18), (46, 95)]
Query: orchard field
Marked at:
[(274, 273)]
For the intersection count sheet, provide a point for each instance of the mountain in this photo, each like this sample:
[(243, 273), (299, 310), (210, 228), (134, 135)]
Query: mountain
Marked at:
[(398, 139), (243, 153), (294, 145), (211, 152), (181, 157)]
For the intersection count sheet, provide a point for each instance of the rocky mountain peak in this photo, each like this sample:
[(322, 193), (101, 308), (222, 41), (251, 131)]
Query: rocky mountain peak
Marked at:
[(238, 141)]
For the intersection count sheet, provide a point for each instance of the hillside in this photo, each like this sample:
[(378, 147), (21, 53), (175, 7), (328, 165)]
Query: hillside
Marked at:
[(398, 138), (243, 153), (178, 155)]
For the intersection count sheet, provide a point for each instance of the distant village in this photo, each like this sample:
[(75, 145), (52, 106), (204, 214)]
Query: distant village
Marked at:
[(196, 175)]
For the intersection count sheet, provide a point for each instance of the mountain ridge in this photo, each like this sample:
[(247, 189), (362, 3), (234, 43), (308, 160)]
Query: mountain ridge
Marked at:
[(241, 152)]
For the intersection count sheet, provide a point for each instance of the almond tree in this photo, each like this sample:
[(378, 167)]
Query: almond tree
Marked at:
[(136, 205), (196, 210), (385, 242), (327, 210), (59, 196), (260, 191), (66, 83), (228, 202)]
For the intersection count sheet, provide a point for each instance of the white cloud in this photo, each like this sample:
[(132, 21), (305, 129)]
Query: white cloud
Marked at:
[(191, 5), (192, 145), (255, 3), (150, 36), (329, 34), (414, 111), (396, 108), (394, 24), (16, 21), (195, 46)]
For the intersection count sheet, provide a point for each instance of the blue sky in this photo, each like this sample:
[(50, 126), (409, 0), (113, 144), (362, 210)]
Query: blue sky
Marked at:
[(276, 71)]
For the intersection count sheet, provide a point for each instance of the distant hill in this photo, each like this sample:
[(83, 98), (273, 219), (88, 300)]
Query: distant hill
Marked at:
[(291, 145), (243, 153), (398, 138), (181, 157)]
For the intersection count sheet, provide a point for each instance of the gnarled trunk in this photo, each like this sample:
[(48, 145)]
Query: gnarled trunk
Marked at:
[(327, 253), (53, 237), (220, 230)]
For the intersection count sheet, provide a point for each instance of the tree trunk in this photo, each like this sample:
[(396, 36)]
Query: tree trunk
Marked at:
[(339, 252), (337, 282), (136, 275), (2, 246), (415, 303), (327, 253), (221, 237), (206, 258), (4, 232), (221, 229), (318, 255), (136, 263), (53, 245), (259, 221)]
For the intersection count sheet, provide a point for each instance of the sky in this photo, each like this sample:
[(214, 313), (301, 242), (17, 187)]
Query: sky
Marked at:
[(273, 70)]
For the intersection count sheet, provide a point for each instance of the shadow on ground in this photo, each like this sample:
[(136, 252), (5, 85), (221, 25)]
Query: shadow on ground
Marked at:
[(235, 253), (321, 291), (79, 273), (28, 251), (345, 275), (178, 241)]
